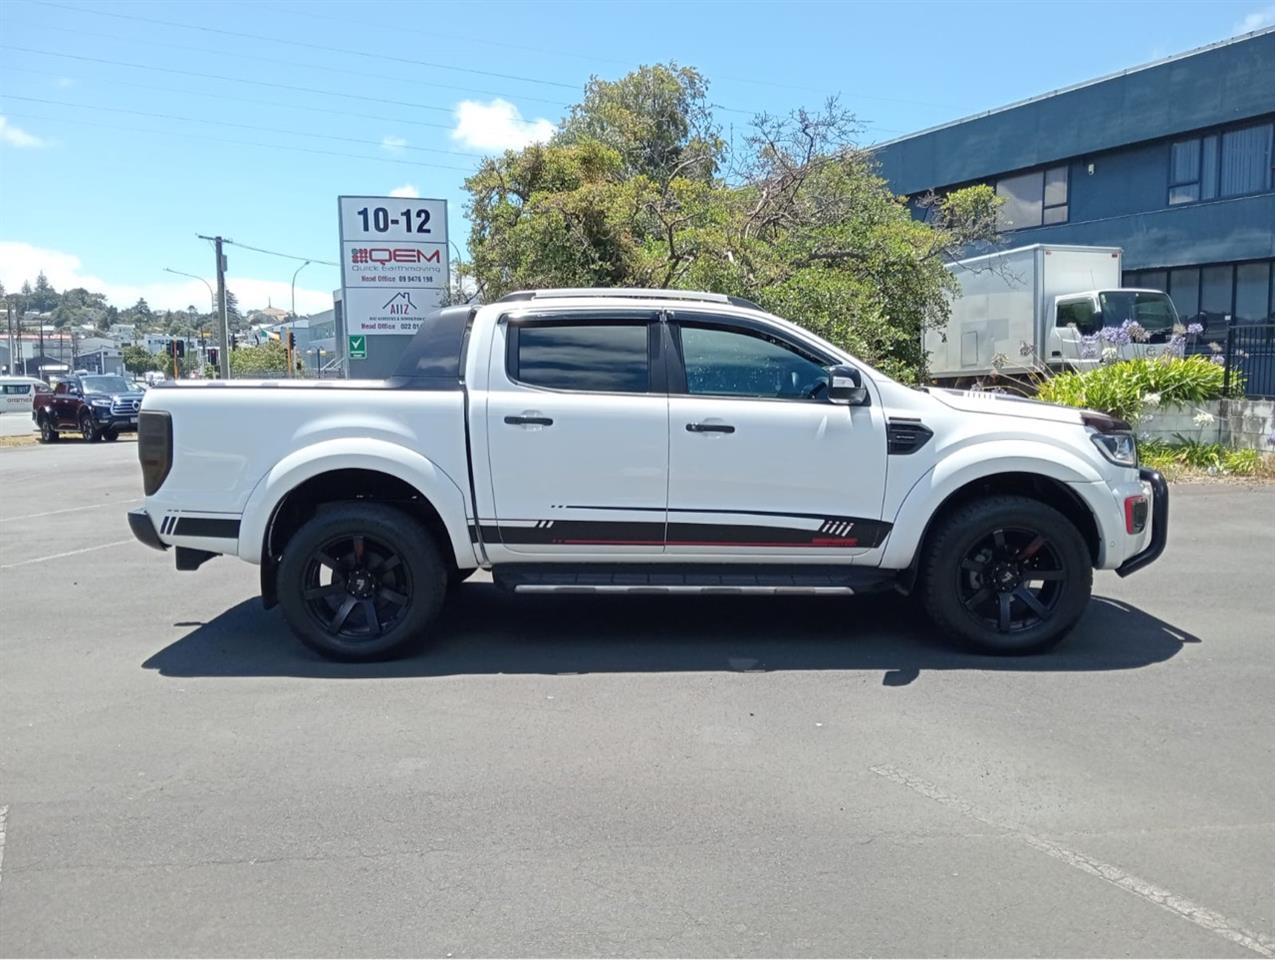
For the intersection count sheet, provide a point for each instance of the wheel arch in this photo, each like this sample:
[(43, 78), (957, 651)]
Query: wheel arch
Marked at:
[(950, 485), (343, 472)]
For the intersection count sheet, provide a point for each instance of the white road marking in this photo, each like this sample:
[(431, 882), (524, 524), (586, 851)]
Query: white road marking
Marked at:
[(69, 553), (4, 815), (1186, 909), (54, 513)]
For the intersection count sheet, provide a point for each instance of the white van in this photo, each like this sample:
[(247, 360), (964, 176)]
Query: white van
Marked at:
[(17, 394)]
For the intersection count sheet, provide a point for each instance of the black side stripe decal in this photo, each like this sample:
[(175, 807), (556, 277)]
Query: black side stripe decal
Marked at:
[(840, 533), (219, 527)]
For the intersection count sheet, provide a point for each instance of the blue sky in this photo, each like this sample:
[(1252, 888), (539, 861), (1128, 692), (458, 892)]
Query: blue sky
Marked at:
[(130, 127)]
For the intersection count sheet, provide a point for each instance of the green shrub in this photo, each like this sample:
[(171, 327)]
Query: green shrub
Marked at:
[(1185, 454), (1120, 388)]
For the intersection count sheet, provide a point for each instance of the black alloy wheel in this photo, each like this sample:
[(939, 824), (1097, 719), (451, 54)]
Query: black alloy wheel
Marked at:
[(1011, 579), (87, 429), (361, 581), (357, 587), (1006, 575), (47, 433)]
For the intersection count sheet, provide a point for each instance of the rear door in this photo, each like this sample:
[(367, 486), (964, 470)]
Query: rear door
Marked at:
[(761, 465), (577, 435)]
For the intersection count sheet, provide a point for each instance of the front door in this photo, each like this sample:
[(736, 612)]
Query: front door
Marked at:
[(577, 433), (760, 463)]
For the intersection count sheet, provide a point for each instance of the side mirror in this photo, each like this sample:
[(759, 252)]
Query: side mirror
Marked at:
[(845, 386)]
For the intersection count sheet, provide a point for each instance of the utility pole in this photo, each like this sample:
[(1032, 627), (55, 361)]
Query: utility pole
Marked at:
[(12, 362), (223, 323)]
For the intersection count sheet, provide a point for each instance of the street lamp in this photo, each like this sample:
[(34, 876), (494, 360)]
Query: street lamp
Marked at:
[(294, 286), (212, 296), (212, 299)]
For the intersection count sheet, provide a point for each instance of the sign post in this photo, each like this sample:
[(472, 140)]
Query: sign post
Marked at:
[(394, 271)]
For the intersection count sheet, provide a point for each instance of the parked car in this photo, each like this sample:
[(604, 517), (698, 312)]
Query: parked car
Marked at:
[(97, 405), (17, 394), (640, 441)]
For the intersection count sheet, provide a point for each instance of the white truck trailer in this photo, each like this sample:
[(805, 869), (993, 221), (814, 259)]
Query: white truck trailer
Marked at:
[(1036, 304)]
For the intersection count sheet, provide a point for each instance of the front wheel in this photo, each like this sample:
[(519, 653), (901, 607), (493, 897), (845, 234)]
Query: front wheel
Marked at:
[(361, 581), (111, 435), (1007, 575), (88, 429)]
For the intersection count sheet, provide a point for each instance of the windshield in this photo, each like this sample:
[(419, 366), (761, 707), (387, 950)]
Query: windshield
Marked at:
[(106, 384), (1152, 311)]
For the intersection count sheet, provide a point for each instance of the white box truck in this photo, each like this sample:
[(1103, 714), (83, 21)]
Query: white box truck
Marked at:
[(1036, 304)]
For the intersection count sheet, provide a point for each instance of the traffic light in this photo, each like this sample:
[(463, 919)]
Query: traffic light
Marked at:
[(234, 341), (292, 340), (179, 349), (212, 356)]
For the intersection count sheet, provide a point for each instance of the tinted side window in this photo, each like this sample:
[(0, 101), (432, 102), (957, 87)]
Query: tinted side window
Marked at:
[(733, 363), (61, 388), (17, 388), (1079, 312), (598, 357)]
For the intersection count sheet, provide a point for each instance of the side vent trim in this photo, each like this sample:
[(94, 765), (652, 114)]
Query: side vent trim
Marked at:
[(906, 435)]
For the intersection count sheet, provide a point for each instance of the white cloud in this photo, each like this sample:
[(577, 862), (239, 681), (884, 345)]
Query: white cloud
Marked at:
[(497, 126), (406, 190), (393, 144), (1256, 20), (17, 137), (23, 261), (64, 82)]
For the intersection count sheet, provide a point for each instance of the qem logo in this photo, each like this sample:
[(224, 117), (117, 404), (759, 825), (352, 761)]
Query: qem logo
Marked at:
[(359, 255)]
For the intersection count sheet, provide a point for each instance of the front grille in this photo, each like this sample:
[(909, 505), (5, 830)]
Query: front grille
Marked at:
[(125, 408)]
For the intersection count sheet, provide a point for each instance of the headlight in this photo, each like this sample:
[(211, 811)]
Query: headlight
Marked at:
[(1119, 448), (1113, 438), (100, 402)]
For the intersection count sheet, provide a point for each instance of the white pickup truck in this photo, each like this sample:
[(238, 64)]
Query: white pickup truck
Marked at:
[(641, 441)]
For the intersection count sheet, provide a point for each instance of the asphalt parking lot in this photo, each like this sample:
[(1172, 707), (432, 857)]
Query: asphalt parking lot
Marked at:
[(643, 777)]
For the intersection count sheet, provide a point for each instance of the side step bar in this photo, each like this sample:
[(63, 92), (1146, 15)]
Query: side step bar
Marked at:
[(672, 579)]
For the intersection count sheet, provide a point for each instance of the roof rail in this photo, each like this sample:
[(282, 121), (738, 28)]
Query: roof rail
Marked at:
[(631, 292)]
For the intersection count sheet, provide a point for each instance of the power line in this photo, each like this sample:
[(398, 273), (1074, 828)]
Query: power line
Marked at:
[(245, 143), (233, 99), (326, 68), (243, 126), (276, 253), (381, 55), (216, 76)]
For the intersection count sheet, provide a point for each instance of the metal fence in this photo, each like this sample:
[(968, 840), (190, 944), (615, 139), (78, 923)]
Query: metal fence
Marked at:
[(1249, 360)]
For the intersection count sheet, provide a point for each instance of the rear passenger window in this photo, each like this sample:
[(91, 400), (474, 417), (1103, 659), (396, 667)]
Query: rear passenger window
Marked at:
[(598, 357)]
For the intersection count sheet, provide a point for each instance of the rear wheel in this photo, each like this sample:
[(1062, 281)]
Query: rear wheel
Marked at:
[(361, 581), (47, 433), (88, 429), (1007, 575)]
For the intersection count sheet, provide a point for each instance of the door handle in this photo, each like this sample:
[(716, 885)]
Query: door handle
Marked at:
[(530, 421), (709, 428)]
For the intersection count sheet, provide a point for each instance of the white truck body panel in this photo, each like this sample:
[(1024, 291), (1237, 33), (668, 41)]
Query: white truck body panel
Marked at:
[(796, 481), (1006, 300)]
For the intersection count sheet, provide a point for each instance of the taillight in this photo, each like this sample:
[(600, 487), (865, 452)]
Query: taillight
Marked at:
[(154, 448), (1135, 514)]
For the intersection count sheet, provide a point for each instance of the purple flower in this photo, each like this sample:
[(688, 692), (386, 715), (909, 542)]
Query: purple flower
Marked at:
[(1195, 329)]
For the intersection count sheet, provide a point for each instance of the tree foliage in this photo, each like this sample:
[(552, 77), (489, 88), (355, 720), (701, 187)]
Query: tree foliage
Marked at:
[(269, 359), (640, 189), (139, 360)]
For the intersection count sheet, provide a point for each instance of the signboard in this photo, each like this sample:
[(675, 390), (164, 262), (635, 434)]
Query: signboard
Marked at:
[(394, 266), (358, 346)]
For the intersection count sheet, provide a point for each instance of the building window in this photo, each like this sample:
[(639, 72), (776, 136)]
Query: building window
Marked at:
[(1184, 288), (1032, 199), (1236, 163)]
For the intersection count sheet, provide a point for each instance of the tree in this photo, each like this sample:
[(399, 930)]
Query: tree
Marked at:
[(139, 360), (639, 190), (43, 298), (269, 358)]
